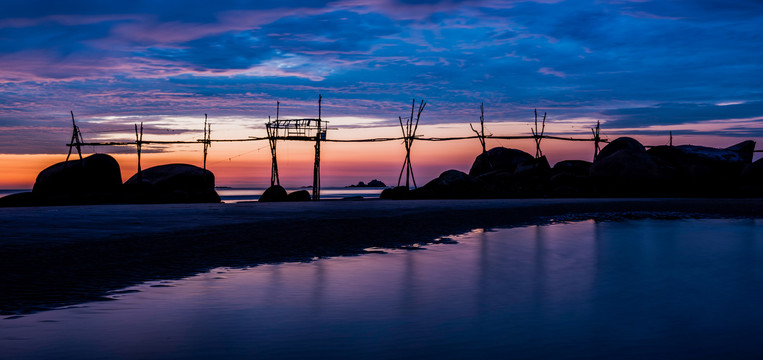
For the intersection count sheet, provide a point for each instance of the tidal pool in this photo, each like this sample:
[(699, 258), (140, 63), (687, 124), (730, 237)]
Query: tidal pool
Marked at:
[(632, 289)]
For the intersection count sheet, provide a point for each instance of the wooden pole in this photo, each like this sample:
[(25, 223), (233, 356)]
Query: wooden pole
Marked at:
[(317, 165), (207, 140), (409, 134), (272, 132), (405, 143), (138, 144), (596, 140), (76, 139), (481, 133), (538, 134)]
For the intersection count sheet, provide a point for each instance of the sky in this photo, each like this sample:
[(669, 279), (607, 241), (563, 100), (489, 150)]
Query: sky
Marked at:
[(643, 68)]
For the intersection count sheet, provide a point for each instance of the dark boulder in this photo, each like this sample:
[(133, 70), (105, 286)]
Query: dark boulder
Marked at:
[(706, 171), (275, 193), (396, 193), (570, 178), (95, 179), (452, 184), (19, 199), (533, 167), (626, 169), (575, 167), (621, 143), (745, 149), (171, 183), (299, 195), (752, 179), (499, 158)]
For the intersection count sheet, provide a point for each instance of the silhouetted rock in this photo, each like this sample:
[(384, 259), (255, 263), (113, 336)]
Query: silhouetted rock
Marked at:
[(576, 167), (533, 167), (706, 171), (452, 184), (396, 193), (621, 143), (570, 178), (752, 179), (171, 183), (499, 158), (623, 168), (19, 199), (626, 169), (745, 149), (274, 193), (299, 195), (95, 179), (372, 183)]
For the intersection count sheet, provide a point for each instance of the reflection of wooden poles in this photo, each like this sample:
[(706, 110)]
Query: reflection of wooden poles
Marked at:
[(317, 164), (207, 140), (596, 140), (538, 136), (138, 144), (76, 140), (409, 134), (481, 133)]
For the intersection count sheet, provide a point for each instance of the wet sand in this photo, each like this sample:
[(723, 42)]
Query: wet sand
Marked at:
[(57, 256)]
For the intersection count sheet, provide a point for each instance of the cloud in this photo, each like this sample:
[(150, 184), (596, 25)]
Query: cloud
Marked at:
[(634, 63), (681, 113)]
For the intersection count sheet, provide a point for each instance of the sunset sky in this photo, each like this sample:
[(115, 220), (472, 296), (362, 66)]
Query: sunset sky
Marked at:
[(643, 68)]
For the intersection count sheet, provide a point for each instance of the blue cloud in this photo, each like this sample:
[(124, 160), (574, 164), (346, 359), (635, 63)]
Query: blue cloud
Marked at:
[(633, 63)]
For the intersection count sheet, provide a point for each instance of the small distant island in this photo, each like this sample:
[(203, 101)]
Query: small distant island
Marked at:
[(371, 184)]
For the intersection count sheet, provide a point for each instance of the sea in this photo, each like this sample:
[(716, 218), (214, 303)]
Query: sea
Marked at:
[(234, 195), (622, 289)]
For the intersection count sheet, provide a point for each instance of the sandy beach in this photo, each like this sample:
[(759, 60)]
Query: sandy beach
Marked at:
[(55, 256)]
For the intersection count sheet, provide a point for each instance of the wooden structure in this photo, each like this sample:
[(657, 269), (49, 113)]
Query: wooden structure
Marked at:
[(138, 145), (409, 134), (597, 139), (76, 140), (207, 141), (300, 130), (538, 134), (314, 130), (481, 133)]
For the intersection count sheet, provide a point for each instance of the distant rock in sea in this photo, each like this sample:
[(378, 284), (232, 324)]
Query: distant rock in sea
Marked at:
[(373, 183)]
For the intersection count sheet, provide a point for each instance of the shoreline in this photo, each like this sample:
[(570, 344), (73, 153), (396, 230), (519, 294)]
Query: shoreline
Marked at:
[(58, 256)]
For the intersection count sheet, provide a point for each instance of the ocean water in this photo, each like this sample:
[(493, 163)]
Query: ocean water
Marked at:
[(635, 289), (233, 195)]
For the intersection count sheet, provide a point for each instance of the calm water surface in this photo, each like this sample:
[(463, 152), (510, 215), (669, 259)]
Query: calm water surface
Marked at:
[(233, 195), (639, 289)]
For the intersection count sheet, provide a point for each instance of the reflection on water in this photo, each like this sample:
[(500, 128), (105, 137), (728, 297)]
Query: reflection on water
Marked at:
[(631, 289)]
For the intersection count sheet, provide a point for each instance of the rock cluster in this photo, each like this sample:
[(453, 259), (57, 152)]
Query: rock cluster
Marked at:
[(623, 168), (373, 183), (97, 179), (277, 193)]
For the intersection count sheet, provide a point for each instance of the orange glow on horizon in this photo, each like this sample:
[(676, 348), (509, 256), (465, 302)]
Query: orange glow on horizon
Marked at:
[(247, 164)]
